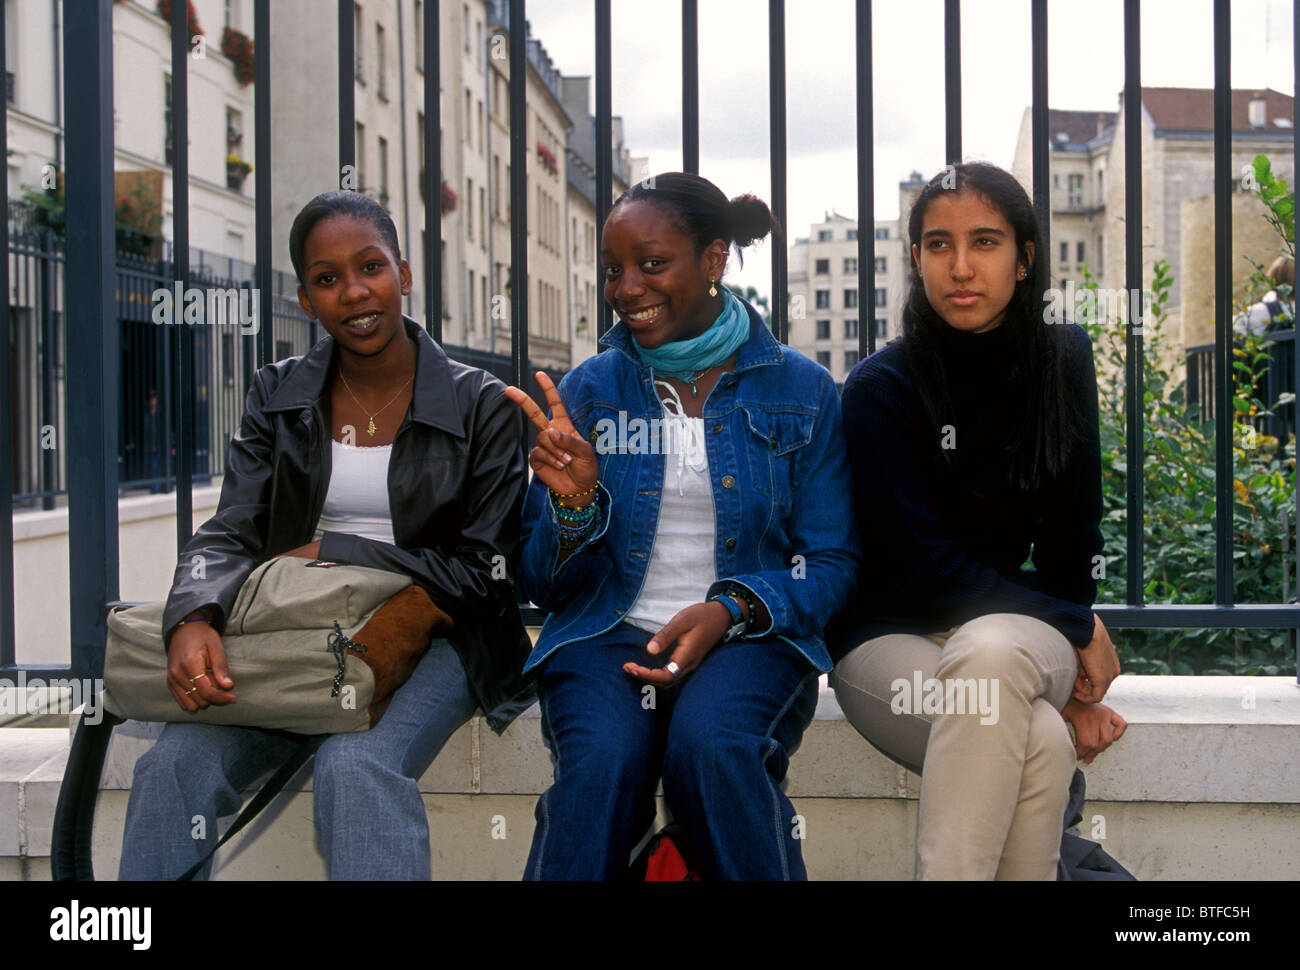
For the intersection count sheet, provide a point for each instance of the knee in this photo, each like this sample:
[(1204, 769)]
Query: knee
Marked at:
[(987, 646), (1049, 749), (345, 759), (180, 751), (704, 746)]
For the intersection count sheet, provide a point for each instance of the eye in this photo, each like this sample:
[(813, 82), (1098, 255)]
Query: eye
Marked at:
[(986, 239), (324, 279), (654, 263), (936, 244), (371, 265), (610, 272)]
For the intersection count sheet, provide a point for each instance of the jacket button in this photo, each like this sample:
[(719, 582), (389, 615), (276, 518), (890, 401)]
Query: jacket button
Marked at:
[(773, 440), (730, 543), (593, 437), (717, 428), (728, 481)]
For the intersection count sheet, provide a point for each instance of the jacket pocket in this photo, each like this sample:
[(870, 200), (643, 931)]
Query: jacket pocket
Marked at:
[(773, 445)]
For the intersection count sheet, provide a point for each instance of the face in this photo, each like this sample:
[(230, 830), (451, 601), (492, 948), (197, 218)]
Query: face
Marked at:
[(353, 285), (968, 261), (654, 279)]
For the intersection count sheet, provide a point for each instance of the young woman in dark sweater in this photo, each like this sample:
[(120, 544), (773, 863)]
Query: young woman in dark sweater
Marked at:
[(973, 445)]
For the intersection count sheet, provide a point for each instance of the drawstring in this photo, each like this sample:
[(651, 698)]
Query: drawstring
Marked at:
[(338, 643), (680, 436)]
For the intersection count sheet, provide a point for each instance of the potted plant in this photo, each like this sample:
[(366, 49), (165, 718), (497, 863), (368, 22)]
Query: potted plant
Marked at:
[(236, 171), (238, 46), (191, 17)]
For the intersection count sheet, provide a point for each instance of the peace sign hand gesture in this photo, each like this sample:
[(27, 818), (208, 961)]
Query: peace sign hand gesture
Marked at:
[(564, 460)]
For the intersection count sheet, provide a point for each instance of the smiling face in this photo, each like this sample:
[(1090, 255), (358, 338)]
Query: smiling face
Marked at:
[(969, 261), (353, 284), (654, 279)]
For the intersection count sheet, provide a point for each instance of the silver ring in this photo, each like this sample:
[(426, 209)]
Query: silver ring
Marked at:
[(673, 669)]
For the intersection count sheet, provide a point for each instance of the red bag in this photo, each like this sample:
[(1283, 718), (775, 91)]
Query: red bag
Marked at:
[(664, 862)]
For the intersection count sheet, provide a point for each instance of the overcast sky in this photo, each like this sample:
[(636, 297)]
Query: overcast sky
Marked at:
[(1085, 61)]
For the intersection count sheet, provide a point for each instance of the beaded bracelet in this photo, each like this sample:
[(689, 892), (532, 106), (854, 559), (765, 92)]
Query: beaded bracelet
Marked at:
[(739, 592), (561, 495)]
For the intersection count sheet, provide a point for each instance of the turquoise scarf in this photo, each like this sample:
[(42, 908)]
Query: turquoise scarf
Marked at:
[(684, 358)]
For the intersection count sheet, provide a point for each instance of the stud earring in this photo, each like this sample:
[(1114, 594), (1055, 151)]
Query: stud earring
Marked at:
[(1021, 275), (713, 287)]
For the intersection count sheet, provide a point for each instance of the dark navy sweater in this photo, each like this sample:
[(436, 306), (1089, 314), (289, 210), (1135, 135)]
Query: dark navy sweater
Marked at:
[(944, 542)]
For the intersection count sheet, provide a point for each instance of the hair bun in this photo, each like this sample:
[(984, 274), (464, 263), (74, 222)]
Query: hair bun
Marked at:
[(749, 220)]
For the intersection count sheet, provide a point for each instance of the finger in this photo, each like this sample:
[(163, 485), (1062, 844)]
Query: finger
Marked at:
[(1121, 726), (186, 705), (217, 662), (553, 400), (667, 635), (543, 456), (530, 408), (650, 675)]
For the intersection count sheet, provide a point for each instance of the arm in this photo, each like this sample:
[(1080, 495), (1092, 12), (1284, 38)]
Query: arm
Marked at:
[(801, 596), (929, 572), (460, 580)]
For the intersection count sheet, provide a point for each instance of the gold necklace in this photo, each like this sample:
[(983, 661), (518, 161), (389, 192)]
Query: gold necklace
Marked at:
[(372, 429)]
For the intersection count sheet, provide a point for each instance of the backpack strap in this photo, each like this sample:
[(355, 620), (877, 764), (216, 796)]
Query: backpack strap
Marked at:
[(263, 798)]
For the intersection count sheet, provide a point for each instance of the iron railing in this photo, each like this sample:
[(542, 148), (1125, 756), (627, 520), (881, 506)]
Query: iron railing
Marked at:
[(94, 376)]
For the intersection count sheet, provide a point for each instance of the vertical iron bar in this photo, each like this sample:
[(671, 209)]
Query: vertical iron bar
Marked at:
[(1041, 138), (94, 364), (691, 86), (952, 77), (604, 145), (776, 112), (1295, 343), (1134, 390), (263, 257), (433, 175), (519, 193), (6, 398), (348, 97), (866, 186), (1223, 418), (183, 345)]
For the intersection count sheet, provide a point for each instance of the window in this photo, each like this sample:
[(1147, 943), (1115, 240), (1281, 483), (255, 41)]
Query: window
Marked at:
[(850, 266), (880, 297), (824, 358), (880, 328), (850, 329), (1100, 240), (381, 76), (825, 235), (479, 116), (356, 40), (419, 36), (383, 170), (823, 330), (469, 208), (469, 115), (851, 235), (1065, 253), (473, 316), (496, 185), (1079, 253), (882, 232), (464, 24), (482, 217), (823, 300), (823, 267), (1076, 190), (880, 264), (850, 299), (361, 157), (850, 358), (230, 14), (169, 146)]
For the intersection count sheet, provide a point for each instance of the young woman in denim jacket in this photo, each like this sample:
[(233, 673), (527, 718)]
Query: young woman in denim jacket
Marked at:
[(972, 440), (688, 530)]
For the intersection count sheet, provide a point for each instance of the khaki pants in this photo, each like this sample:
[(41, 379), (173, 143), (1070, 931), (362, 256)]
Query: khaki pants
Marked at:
[(979, 709)]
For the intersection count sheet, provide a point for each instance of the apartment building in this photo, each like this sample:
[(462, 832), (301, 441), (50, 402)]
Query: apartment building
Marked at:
[(825, 315)]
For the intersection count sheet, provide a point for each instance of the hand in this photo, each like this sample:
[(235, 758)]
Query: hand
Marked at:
[(309, 551), (1096, 728), (562, 459), (1098, 665), (197, 674), (695, 630)]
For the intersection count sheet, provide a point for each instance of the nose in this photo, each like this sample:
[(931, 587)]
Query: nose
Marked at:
[(629, 284), (961, 270), (355, 288)]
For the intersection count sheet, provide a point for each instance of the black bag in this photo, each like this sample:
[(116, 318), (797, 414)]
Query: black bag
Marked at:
[(1081, 860)]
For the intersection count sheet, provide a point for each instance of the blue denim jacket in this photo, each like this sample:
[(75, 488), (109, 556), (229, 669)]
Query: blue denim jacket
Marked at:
[(784, 524)]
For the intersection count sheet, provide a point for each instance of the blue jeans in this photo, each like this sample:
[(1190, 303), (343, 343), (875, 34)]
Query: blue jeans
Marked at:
[(722, 740), (369, 814)]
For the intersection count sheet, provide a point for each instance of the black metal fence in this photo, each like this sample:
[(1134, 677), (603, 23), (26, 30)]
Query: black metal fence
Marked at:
[(1273, 382), (94, 375)]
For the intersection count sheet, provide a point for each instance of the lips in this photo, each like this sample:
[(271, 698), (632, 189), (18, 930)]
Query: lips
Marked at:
[(362, 322), (644, 315), (963, 297)]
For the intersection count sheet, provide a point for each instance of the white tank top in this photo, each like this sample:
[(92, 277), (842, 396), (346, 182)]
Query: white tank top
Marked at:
[(681, 565), (357, 500)]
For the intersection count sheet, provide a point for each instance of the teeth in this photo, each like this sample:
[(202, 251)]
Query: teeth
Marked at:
[(361, 323), (643, 314)]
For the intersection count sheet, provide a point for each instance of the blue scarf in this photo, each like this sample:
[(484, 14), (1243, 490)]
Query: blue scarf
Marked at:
[(683, 359)]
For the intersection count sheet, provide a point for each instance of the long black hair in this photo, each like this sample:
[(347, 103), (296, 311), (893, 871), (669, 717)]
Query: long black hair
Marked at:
[(1049, 428), (340, 203), (702, 212)]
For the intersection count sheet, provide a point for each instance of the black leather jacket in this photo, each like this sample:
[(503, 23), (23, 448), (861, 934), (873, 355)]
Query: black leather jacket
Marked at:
[(456, 480)]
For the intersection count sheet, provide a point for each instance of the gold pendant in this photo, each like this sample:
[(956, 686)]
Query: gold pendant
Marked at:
[(371, 430)]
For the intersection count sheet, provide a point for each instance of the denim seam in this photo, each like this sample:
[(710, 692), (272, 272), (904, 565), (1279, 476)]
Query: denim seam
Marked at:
[(541, 802), (773, 787)]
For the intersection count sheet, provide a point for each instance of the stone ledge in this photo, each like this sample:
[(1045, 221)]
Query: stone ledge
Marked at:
[(1193, 755)]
